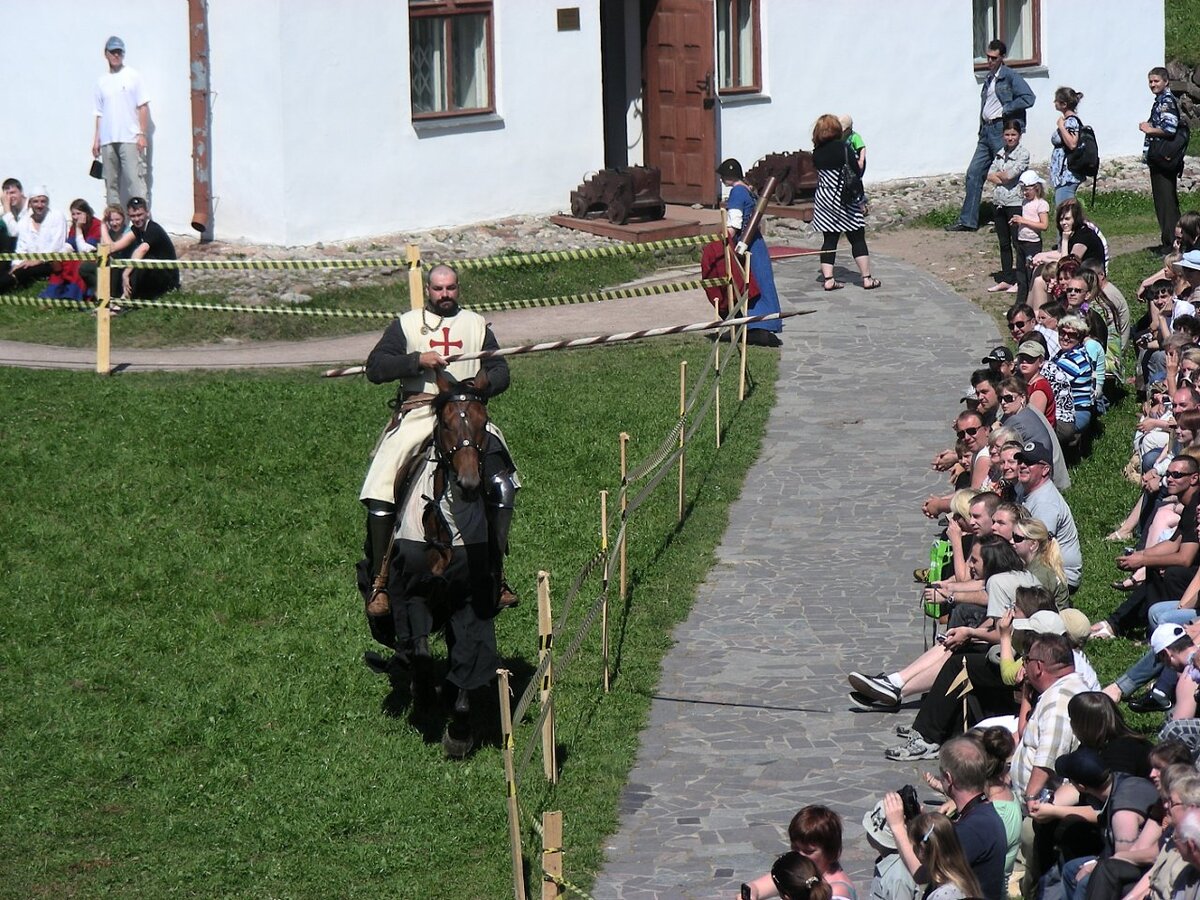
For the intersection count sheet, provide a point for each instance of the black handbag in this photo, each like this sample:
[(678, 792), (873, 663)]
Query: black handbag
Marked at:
[(851, 183), (1167, 153)]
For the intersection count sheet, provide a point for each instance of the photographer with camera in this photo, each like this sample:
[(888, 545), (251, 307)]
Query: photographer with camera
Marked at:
[(965, 766)]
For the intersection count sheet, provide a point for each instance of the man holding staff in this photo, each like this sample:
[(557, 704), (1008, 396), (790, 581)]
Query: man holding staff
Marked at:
[(413, 349)]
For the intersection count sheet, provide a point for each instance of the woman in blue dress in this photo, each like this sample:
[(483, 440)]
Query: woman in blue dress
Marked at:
[(739, 210)]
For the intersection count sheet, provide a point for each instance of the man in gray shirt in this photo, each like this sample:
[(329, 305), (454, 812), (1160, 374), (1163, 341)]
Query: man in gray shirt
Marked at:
[(1039, 495)]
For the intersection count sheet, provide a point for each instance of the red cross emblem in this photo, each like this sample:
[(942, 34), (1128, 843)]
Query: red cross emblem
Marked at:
[(445, 343)]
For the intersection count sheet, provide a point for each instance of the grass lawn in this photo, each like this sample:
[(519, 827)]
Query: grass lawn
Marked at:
[(173, 328), (185, 711)]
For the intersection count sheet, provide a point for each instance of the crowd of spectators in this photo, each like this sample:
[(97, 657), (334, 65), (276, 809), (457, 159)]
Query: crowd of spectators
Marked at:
[(1047, 791)]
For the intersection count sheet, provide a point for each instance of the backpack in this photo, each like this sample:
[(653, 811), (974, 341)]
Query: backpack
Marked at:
[(1084, 160)]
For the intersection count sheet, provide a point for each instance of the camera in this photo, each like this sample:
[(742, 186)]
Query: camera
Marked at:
[(912, 803)]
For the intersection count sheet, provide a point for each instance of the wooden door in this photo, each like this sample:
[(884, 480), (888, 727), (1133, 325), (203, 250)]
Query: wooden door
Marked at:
[(680, 102)]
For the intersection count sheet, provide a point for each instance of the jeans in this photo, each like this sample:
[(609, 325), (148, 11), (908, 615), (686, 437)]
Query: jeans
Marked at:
[(1065, 192), (990, 143), (1083, 418), (1074, 887), (1006, 236)]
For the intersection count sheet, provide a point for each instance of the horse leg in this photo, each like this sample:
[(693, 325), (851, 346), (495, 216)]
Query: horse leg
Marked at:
[(420, 625)]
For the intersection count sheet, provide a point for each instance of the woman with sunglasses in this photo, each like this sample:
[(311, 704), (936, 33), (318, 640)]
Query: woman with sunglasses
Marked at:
[(1042, 558), (1075, 362)]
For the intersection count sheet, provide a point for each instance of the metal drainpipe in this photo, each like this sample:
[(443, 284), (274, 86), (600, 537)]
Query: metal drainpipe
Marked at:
[(201, 118)]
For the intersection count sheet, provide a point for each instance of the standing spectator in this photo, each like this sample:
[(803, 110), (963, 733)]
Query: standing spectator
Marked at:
[(151, 241), (830, 215), (1164, 121), (1063, 141), (44, 230), (1005, 95), (122, 120), (739, 211), (1028, 225), (1007, 169)]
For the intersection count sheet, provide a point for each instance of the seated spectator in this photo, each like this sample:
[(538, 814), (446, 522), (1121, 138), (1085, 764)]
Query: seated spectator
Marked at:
[(964, 767), (1047, 317), (1078, 236), (1020, 322), (969, 427), (150, 242), (1099, 725), (1042, 557), (1077, 364), (83, 235), (994, 562), (1031, 425), (1039, 495), (1170, 565), (1124, 823), (1031, 363), (943, 862), (44, 230), (116, 236), (1175, 646), (796, 878), (891, 879), (815, 832), (1122, 321), (1178, 785), (14, 208)]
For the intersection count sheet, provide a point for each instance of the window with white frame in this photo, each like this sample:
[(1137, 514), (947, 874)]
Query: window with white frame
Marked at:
[(1016, 22), (450, 57), (738, 46)]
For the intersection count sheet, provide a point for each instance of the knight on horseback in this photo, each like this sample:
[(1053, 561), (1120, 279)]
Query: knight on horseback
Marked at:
[(413, 351)]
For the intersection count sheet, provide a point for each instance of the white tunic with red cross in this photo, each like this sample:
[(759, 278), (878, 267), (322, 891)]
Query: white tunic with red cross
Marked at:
[(449, 335)]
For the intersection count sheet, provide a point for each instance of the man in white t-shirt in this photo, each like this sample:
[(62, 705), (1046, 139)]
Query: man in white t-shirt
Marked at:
[(44, 230), (122, 119)]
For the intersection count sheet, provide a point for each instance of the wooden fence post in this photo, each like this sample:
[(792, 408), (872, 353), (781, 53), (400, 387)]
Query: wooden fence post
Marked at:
[(624, 506), (416, 290), (552, 864), (604, 601), (103, 320), (546, 649), (717, 372), (510, 780), (682, 431)]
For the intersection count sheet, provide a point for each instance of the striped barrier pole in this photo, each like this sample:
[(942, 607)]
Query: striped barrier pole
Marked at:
[(103, 314), (510, 780), (546, 652), (552, 863), (604, 602)]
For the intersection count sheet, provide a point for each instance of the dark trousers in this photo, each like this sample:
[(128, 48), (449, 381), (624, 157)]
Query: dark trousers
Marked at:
[(23, 277), (1160, 584), (1164, 186), (858, 244), (968, 687), (146, 284), (1006, 236), (1112, 879), (87, 272), (1026, 250)]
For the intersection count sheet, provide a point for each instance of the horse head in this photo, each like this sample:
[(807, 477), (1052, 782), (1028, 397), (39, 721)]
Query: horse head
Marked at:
[(461, 428)]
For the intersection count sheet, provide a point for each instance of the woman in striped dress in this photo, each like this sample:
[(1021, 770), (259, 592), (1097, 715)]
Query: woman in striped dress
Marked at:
[(830, 216)]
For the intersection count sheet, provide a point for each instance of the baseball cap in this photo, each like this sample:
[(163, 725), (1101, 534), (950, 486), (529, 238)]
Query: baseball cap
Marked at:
[(1032, 349), (970, 396), (1191, 260), (1079, 627), (998, 354), (113, 43), (1034, 452), (1044, 621), (1031, 177), (1165, 635)]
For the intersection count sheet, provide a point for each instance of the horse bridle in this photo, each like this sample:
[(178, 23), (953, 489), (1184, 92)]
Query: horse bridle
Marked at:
[(466, 442)]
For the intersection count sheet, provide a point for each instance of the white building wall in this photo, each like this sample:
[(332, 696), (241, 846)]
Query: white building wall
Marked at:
[(53, 54), (312, 136), (904, 72)]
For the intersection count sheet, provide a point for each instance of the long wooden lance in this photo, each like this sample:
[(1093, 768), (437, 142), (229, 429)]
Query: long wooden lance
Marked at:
[(598, 339)]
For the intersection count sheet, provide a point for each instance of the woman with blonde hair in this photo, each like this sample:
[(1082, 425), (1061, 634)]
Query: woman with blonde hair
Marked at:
[(1043, 558), (941, 855), (833, 214)]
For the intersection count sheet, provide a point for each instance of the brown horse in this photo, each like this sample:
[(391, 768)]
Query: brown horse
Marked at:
[(437, 572)]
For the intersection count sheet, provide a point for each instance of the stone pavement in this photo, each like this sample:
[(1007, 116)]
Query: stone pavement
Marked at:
[(751, 720)]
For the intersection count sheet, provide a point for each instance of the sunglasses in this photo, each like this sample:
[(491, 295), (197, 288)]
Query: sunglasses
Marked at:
[(1019, 538), (993, 58), (967, 432), (1173, 474), (1007, 398), (1072, 290), (1012, 326), (1067, 332)]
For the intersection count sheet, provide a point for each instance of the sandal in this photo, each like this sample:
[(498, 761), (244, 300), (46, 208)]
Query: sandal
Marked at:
[(869, 283), (836, 285), (1119, 536), (1125, 585)]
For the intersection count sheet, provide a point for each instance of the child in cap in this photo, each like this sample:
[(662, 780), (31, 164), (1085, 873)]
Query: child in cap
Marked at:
[(1033, 220)]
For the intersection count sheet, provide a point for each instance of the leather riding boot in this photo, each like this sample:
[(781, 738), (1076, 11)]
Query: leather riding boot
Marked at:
[(381, 521), (499, 521)]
